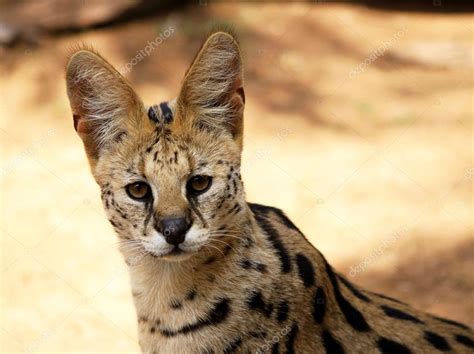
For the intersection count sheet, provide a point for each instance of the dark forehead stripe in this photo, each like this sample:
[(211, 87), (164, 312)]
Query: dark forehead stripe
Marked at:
[(153, 114), (161, 113), (166, 112)]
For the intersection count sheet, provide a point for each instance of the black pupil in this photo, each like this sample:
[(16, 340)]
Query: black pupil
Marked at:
[(199, 182), (140, 189)]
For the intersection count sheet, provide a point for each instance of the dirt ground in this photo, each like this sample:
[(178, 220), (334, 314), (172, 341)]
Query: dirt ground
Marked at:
[(358, 124)]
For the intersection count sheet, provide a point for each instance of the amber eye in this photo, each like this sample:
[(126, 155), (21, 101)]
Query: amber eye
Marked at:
[(199, 184), (138, 190)]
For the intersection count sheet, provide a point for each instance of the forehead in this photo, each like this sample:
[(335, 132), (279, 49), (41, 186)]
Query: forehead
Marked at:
[(158, 149)]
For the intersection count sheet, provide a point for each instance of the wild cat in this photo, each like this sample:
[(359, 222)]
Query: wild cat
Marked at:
[(210, 272)]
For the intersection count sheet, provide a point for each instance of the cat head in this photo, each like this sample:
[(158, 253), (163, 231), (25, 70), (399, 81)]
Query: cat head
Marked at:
[(169, 174)]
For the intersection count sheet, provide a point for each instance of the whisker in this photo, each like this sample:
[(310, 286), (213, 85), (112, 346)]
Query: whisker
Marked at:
[(217, 248), (224, 234), (227, 244)]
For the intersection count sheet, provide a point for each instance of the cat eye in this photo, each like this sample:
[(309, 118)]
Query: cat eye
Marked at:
[(138, 190), (199, 184)]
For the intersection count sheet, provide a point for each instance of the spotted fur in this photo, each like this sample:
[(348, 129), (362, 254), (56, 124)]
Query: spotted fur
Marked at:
[(245, 279)]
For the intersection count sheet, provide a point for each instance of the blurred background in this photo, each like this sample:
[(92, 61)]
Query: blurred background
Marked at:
[(359, 123)]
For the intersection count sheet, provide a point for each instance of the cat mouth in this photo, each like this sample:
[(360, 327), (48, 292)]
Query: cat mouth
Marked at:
[(176, 253)]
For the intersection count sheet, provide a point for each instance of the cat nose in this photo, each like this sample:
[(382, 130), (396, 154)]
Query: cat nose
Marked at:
[(174, 229)]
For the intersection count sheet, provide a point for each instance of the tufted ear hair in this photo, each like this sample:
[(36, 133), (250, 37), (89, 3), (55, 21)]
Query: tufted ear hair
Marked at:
[(212, 94), (103, 104)]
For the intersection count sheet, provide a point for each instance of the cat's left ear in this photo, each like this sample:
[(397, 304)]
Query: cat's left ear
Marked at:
[(212, 94), (103, 104)]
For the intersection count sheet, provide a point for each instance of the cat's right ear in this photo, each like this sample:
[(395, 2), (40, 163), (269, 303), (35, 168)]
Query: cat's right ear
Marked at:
[(103, 104)]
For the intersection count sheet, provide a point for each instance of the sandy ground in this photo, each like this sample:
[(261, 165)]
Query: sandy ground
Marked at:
[(370, 154)]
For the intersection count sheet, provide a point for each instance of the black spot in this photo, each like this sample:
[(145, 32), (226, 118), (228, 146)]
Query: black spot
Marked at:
[(388, 346), (399, 314), (352, 315), (148, 150), (232, 347), (255, 302), (152, 113), (166, 112), (357, 293), (275, 349), (319, 305), (155, 156), (260, 212), (235, 209), (282, 313), (175, 157), (290, 341), (331, 345), (227, 250), (437, 341), (464, 340), (191, 294), (247, 241), (246, 264), (210, 260), (305, 270), (152, 330), (454, 323), (260, 267), (218, 314), (176, 305), (120, 136), (113, 223)]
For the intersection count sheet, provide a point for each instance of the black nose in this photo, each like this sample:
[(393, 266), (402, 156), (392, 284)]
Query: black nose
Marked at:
[(174, 230)]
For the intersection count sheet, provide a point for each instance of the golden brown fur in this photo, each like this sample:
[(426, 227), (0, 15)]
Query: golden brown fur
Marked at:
[(248, 280)]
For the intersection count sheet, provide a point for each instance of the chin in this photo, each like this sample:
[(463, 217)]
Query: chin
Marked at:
[(175, 254), (177, 257)]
